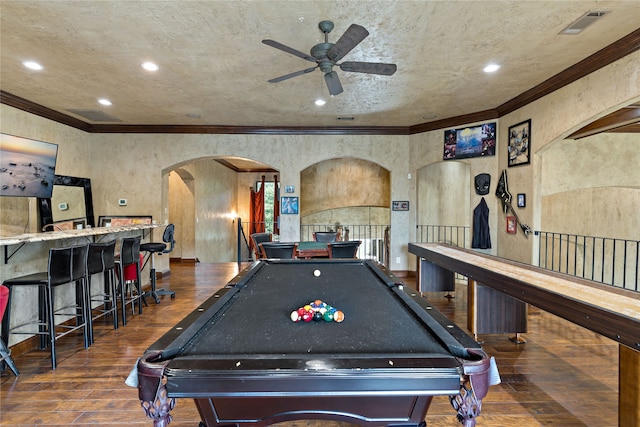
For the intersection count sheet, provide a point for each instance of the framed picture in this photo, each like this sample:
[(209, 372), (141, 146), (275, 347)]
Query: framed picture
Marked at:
[(511, 225), (520, 143), (473, 141), (289, 189), (289, 206), (400, 206), (522, 200)]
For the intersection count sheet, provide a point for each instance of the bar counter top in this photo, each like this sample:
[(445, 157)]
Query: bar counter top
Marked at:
[(17, 239)]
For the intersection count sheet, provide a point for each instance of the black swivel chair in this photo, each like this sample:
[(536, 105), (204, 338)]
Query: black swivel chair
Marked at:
[(343, 249), (279, 250), (159, 248)]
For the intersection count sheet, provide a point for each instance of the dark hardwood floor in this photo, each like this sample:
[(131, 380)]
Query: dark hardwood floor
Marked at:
[(564, 375)]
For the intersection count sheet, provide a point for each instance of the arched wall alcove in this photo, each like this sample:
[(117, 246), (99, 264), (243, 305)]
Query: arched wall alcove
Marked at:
[(583, 192), (444, 194), (347, 191)]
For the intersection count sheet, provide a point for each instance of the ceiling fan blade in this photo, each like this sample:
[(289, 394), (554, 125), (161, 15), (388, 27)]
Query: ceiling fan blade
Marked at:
[(350, 39), (369, 67), (288, 49), (295, 74), (333, 83)]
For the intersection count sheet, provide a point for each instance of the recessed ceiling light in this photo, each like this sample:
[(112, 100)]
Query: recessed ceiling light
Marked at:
[(150, 66), (104, 101), (320, 102), (32, 65), (429, 116), (490, 68)]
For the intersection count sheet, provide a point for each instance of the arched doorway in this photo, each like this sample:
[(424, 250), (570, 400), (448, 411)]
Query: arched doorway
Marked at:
[(443, 198)]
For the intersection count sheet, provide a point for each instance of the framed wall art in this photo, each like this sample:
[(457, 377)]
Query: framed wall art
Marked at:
[(472, 141), (289, 206), (522, 200), (520, 143)]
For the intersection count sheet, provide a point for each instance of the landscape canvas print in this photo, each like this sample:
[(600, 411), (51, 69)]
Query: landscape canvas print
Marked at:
[(27, 166)]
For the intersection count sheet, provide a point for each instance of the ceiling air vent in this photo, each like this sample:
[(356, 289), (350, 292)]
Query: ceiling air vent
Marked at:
[(583, 22), (94, 115)]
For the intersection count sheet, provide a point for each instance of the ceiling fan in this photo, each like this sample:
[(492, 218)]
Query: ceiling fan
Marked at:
[(326, 55)]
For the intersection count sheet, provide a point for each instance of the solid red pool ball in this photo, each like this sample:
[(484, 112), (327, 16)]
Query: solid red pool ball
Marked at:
[(307, 316)]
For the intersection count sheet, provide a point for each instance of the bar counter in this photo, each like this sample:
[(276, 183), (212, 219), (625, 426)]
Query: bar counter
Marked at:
[(28, 253), (70, 234)]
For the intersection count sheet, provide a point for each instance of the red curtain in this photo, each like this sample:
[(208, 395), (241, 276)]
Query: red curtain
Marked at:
[(256, 220), (276, 206)]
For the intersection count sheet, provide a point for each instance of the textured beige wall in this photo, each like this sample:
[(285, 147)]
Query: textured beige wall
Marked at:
[(215, 207), (182, 214), (443, 194), (583, 191)]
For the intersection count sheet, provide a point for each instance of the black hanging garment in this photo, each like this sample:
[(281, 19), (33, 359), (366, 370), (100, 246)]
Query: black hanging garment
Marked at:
[(481, 234)]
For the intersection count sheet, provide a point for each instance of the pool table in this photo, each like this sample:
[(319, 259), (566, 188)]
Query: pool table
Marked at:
[(246, 363)]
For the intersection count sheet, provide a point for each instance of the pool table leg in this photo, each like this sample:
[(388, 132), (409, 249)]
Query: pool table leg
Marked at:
[(152, 391), (467, 404)]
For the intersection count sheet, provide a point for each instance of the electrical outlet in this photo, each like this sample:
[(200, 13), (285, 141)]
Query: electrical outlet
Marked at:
[(122, 202)]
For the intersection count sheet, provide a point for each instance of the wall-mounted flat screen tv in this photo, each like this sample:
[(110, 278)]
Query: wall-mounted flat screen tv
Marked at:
[(473, 141), (27, 167)]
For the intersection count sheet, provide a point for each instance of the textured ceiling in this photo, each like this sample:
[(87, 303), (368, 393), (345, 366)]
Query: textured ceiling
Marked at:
[(213, 64)]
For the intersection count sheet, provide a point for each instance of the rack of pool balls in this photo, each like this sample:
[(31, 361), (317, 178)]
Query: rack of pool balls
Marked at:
[(317, 311)]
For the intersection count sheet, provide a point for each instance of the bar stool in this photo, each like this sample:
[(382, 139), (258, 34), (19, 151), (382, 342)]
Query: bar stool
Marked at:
[(101, 260), (65, 266), (5, 353), (159, 248), (128, 261)]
